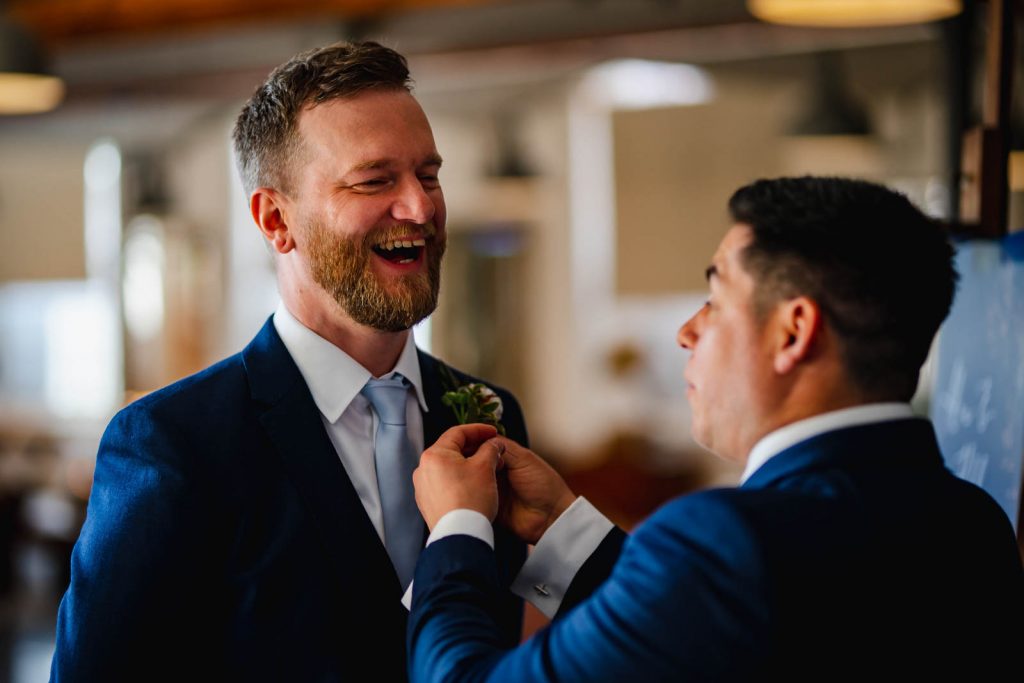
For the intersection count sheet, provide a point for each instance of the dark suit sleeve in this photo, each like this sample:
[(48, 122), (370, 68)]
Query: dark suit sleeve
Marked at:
[(594, 571), (137, 556), (686, 595), (510, 551)]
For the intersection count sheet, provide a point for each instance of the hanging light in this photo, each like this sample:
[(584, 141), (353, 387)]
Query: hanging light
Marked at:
[(832, 111), (848, 13), (626, 84), (26, 87), (832, 135)]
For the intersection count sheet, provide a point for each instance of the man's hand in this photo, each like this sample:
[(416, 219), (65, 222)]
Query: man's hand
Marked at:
[(533, 495), (447, 480)]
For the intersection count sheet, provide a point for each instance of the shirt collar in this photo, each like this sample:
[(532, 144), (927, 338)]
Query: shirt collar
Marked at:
[(335, 378), (795, 432)]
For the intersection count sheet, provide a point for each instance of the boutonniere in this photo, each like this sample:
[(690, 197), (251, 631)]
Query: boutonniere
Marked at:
[(473, 402)]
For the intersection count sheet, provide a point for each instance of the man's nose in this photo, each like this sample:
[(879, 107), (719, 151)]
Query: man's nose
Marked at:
[(413, 204), (688, 333)]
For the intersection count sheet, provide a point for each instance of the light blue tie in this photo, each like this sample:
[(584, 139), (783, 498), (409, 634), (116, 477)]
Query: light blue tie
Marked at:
[(395, 461)]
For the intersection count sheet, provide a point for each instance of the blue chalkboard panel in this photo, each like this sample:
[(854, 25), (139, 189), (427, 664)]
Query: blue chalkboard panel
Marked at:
[(978, 402)]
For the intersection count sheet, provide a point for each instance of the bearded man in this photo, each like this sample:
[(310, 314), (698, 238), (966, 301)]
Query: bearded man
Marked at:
[(257, 521)]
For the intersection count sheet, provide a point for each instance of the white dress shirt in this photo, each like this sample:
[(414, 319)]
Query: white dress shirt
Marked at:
[(574, 536), (335, 379), (545, 576)]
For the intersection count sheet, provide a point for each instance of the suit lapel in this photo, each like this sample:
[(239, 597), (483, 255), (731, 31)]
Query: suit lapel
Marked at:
[(292, 422), (439, 417)]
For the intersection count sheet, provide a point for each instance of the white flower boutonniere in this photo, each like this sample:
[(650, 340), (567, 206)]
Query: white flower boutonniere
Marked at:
[(473, 402)]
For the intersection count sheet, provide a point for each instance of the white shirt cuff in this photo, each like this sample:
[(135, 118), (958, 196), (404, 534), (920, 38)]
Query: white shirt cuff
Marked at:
[(464, 522), (559, 554)]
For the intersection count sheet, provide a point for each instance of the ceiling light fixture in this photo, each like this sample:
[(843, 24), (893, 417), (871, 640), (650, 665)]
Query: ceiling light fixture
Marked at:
[(852, 13), (832, 111), (628, 84), (26, 87)]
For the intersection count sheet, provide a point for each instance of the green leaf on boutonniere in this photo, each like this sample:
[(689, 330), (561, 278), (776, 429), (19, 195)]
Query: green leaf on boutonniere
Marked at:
[(474, 402)]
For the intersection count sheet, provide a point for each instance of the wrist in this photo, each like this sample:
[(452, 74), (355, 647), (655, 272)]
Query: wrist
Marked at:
[(563, 503), (567, 499)]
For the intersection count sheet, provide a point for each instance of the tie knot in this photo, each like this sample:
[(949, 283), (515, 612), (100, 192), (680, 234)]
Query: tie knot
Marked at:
[(388, 398)]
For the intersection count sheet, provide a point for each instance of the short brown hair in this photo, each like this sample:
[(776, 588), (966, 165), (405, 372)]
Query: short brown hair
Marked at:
[(881, 270), (264, 133)]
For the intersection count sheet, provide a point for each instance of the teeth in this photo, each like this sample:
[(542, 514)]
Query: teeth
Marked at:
[(395, 244), (406, 260)]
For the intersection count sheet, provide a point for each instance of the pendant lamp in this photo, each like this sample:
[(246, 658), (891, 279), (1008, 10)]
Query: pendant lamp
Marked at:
[(852, 13), (26, 87)]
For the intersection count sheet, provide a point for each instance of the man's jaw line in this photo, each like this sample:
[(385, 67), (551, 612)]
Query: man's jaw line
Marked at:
[(370, 347)]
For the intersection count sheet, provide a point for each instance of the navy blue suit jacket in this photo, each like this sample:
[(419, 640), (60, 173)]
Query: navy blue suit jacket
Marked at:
[(852, 555), (224, 540)]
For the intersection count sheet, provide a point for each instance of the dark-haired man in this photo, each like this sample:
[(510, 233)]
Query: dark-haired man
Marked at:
[(849, 552), (256, 522)]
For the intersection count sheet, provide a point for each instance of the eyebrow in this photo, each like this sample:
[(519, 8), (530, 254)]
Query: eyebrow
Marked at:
[(374, 164), (369, 165)]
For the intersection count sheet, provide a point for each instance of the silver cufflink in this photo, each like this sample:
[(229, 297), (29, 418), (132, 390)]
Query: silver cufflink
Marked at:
[(541, 589)]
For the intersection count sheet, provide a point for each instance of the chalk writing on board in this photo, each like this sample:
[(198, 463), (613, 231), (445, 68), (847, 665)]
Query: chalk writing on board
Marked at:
[(979, 390), (955, 407), (970, 463)]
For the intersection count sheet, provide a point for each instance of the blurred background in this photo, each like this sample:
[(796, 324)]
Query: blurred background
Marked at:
[(590, 147)]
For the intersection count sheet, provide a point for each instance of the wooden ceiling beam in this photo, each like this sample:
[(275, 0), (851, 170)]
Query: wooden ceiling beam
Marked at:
[(62, 22)]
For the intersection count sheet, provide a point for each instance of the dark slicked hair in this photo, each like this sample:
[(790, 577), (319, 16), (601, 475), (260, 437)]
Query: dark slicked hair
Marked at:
[(881, 271), (265, 132)]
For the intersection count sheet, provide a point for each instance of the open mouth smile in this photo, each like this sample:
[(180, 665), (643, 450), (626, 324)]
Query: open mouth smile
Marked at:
[(401, 252)]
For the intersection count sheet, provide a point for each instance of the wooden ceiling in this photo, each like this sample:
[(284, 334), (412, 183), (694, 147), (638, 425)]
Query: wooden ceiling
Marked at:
[(200, 50), (205, 50), (65, 22)]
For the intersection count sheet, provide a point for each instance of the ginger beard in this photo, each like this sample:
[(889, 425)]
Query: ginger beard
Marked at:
[(343, 266)]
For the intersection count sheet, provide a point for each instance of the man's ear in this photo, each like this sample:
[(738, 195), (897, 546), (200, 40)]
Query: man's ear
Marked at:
[(268, 208), (798, 326)]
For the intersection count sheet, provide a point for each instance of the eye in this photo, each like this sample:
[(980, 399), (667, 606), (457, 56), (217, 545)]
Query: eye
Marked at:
[(371, 185), (428, 178)]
